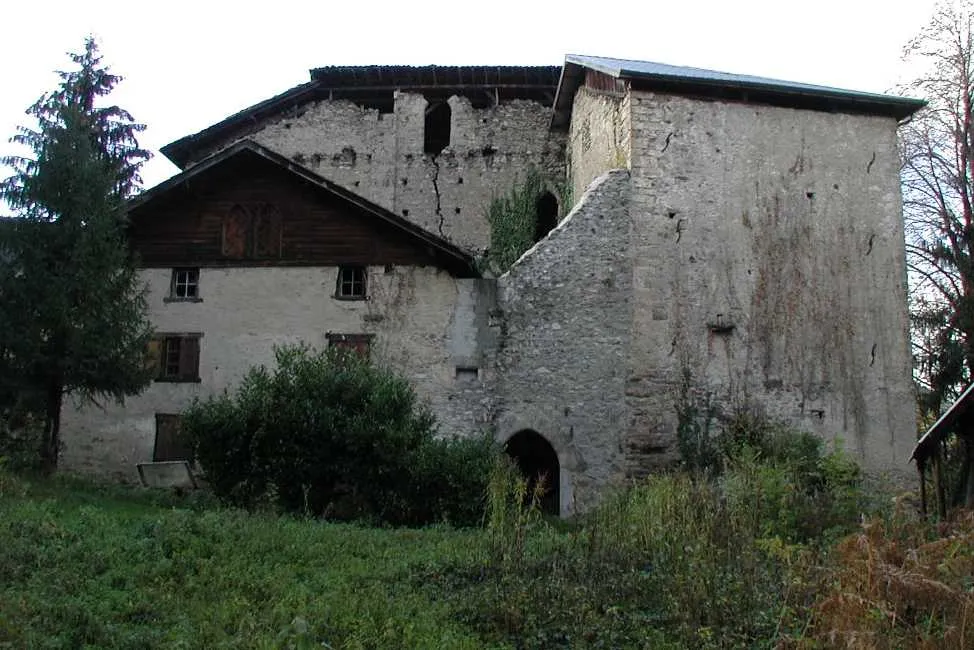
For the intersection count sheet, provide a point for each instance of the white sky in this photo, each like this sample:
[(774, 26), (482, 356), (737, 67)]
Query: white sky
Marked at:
[(188, 65)]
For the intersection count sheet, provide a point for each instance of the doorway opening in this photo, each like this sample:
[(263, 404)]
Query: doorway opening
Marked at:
[(546, 215), (537, 460)]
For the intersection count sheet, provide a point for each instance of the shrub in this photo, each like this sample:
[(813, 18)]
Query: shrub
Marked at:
[(326, 433), (20, 441)]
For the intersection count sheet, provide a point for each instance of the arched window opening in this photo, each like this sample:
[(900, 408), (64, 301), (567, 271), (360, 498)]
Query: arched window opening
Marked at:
[(537, 460), (436, 136), (546, 212)]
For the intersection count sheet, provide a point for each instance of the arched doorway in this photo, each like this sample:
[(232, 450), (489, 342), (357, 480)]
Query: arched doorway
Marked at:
[(537, 460), (546, 215)]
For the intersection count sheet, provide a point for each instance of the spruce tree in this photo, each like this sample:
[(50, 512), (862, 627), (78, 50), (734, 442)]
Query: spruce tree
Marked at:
[(73, 316)]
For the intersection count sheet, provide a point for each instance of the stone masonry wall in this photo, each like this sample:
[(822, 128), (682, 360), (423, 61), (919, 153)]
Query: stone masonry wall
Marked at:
[(380, 156), (425, 323), (561, 365), (598, 139), (784, 225)]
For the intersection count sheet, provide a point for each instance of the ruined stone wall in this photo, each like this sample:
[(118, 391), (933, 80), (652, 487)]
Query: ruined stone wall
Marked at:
[(380, 156), (425, 322), (770, 268), (598, 139), (561, 366)]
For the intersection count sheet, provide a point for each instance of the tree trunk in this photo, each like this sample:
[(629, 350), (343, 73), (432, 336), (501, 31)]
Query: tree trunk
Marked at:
[(51, 442)]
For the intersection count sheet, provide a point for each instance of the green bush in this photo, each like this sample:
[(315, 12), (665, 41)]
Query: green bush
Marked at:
[(20, 442), (326, 433)]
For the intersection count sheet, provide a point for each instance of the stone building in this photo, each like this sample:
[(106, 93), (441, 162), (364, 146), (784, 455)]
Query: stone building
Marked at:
[(727, 241)]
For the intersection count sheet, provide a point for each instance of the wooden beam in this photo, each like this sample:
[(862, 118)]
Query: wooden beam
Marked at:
[(938, 480), (922, 469)]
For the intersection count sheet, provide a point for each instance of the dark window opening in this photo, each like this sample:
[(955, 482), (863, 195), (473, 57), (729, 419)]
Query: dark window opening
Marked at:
[(467, 373), (538, 462), (546, 214), (351, 283), (175, 357), (185, 284), (169, 444), (436, 136), (359, 344)]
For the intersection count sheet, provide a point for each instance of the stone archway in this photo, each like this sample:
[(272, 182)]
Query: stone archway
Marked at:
[(537, 460)]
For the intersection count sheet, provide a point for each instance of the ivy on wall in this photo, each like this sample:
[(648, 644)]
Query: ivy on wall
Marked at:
[(513, 220)]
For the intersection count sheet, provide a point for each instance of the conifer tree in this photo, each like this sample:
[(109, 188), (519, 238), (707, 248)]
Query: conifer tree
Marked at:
[(72, 311)]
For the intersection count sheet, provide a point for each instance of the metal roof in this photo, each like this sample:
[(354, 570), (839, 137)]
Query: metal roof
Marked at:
[(944, 425), (724, 85)]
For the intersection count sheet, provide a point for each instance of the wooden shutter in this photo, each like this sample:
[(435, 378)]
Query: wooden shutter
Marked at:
[(154, 356), (169, 443), (267, 232), (189, 359), (359, 344), (235, 227)]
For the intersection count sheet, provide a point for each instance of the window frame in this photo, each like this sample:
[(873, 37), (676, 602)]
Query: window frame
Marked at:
[(357, 343), (186, 358), (174, 285), (340, 282)]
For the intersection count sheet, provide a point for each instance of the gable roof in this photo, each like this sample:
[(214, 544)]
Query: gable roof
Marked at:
[(372, 86), (450, 257), (648, 75)]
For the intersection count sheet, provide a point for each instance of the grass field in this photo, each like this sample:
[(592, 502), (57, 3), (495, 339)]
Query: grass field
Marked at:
[(672, 563), (83, 567)]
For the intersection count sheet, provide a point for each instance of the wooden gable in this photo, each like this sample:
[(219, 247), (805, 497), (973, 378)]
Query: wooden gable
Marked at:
[(251, 211)]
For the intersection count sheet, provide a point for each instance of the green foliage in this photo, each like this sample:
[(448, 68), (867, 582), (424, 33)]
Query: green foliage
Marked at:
[(89, 567), (72, 315), (695, 559), (675, 561), (329, 434), (938, 204), (20, 438), (513, 221)]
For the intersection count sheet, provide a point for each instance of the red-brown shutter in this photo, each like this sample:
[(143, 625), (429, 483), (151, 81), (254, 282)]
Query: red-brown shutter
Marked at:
[(235, 227)]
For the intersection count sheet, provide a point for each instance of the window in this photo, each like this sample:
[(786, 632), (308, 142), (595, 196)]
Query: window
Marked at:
[(185, 285), (169, 443), (175, 357), (436, 136), (252, 233), (360, 344), (351, 283)]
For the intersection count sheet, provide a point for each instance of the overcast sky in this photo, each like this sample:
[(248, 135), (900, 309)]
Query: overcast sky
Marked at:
[(188, 65)]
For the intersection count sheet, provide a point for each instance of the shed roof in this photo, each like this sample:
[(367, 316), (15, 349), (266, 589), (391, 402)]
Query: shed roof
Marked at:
[(943, 427), (722, 85)]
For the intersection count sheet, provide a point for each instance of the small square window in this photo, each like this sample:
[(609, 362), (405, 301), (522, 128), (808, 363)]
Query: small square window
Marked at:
[(185, 285), (351, 283)]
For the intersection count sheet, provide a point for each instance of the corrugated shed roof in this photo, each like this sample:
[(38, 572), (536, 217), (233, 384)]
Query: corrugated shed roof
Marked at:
[(724, 85), (944, 426)]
